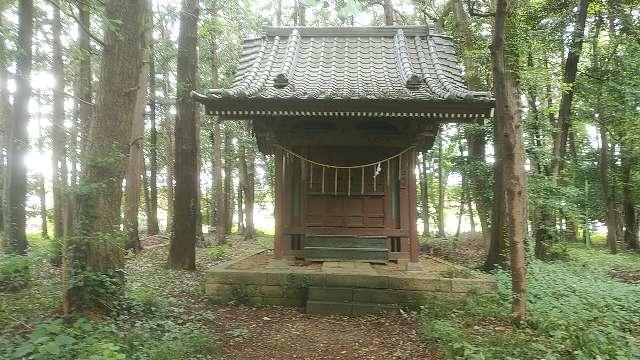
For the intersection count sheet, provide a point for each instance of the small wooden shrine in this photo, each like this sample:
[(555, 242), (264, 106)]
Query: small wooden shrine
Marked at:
[(344, 111)]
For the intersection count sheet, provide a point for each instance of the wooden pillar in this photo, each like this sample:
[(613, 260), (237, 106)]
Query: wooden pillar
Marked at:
[(414, 246), (279, 204)]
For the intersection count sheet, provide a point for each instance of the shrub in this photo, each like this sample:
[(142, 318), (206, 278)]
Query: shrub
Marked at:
[(15, 272)]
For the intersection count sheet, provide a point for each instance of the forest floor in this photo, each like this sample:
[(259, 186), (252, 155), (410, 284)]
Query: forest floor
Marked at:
[(582, 306)]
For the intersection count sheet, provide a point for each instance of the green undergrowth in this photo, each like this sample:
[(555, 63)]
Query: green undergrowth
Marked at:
[(162, 316), (577, 310)]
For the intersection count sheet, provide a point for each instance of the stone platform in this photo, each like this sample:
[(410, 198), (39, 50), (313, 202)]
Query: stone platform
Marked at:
[(341, 287)]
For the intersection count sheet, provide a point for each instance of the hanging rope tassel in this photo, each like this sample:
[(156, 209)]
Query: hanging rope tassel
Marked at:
[(362, 191), (400, 167), (388, 173), (311, 176), (335, 190), (323, 180), (349, 184)]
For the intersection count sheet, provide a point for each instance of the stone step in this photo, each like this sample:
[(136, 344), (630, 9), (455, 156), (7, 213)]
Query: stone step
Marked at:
[(312, 253), (346, 308), (345, 241)]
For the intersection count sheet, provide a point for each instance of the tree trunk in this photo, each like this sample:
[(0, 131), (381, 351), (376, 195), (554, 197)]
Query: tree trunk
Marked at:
[(42, 192), (169, 154), (228, 189), (5, 115), (16, 217), (135, 164), (387, 7), (441, 189), (508, 116), (607, 196), (58, 136), (474, 132), (628, 203), (97, 247), (85, 89), (472, 220), (152, 209), (278, 12), (182, 250), (569, 78), (248, 192), (242, 179), (424, 190), (217, 159)]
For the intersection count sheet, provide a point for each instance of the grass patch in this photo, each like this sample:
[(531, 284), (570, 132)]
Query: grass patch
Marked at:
[(162, 316), (576, 311)]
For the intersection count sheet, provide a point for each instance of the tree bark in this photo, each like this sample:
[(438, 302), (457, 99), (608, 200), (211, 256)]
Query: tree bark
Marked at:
[(387, 7), (169, 154), (97, 246), (16, 217), (508, 115), (152, 208), (424, 190), (569, 79), (248, 192), (473, 133), (5, 115), (441, 189), (217, 159), (135, 164), (58, 136), (42, 192), (183, 240), (242, 179), (228, 189), (607, 195), (628, 203)]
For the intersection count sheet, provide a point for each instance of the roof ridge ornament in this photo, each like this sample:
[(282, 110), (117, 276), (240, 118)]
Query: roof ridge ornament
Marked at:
[(411, 80), (281, 80)]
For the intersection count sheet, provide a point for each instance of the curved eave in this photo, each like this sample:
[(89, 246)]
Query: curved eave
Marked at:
[(439, 110)]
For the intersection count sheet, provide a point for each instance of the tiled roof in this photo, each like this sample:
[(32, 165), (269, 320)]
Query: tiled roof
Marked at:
[(404, 63)]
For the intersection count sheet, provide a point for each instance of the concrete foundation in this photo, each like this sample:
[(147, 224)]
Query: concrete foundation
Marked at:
[(341, 287)]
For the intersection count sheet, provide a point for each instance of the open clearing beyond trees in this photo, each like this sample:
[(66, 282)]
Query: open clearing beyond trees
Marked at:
[(581, 307)]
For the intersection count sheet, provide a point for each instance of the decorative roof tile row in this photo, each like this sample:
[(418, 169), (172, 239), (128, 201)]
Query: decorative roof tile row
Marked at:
[(403, 63)]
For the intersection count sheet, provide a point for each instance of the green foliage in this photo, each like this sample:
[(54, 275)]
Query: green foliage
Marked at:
[(15, 272), (576, 311), (216, 252)]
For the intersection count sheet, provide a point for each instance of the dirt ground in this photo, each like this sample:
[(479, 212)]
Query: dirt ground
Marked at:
[(288, 333), (245, 332)]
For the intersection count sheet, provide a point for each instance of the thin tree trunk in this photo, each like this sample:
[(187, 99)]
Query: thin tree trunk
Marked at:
[(242, 179), (85, 89), (569, 78), (135, 163), (248, 192), (441, 189), (228, 189), (5, 118), (16, 217), (628, 203), (508, 115), (152, 211), (472, 220), (424, 184), (607, 196), (169, 154), (387, 7), (217, 159), (42, 192), (182, 249), (97, 247), (58, 136), (278, 12)]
